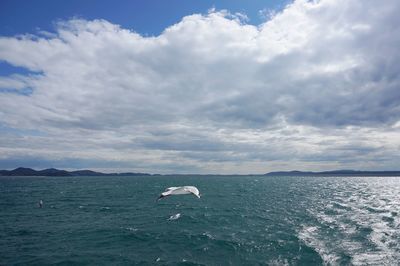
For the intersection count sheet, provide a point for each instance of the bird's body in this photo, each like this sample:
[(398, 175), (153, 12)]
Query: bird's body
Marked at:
[(180, 191), (174, 217)]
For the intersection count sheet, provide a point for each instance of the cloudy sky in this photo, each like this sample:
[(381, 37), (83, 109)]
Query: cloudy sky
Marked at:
[(200, 86)]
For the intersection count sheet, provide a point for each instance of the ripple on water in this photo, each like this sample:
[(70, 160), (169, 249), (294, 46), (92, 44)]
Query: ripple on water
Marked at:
[(311, 237), (302, 221), (364, 226)]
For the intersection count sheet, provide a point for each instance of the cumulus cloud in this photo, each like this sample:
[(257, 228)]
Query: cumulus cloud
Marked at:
[(316, 86)]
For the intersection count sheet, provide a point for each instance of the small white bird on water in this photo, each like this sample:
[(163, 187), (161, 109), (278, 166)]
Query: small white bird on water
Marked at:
[(180, 191)]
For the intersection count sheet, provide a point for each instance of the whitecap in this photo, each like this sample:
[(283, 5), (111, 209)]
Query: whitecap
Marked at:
[(208, 235), (278, 262)]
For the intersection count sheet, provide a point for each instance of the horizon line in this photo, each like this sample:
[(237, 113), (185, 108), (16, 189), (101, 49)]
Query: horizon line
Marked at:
[(280, 172)]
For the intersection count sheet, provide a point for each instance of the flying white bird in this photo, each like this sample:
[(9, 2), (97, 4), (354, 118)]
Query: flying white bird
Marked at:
[(174, 217), (180, 191)]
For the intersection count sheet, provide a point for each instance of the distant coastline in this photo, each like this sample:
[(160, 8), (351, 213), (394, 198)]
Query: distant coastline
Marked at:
[(22, 171), (335, 173)]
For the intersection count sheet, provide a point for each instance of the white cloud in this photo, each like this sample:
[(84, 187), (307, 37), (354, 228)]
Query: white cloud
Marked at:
[(316, 86)]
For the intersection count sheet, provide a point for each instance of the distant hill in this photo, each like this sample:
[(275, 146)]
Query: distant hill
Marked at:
[(21, 171), (335, 173)]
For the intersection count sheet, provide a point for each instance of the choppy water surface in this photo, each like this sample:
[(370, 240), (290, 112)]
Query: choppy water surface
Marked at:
[(240, 220)]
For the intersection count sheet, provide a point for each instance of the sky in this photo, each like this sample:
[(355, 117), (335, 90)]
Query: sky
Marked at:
[(219, 87)]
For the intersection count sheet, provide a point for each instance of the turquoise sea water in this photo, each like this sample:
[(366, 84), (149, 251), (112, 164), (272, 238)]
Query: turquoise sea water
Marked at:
[(239, 220)]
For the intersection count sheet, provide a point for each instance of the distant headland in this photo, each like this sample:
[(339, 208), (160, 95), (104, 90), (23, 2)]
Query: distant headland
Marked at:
[(22, 171)]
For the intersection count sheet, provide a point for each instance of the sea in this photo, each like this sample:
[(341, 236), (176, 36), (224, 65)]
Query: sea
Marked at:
[(239, 220)]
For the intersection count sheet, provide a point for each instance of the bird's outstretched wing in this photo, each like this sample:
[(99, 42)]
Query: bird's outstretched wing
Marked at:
[(193, 190)]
